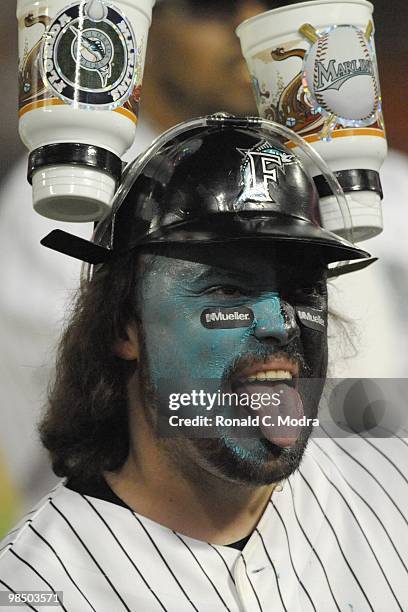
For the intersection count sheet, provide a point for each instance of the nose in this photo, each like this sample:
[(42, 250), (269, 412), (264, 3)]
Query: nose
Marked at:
[(275, 319)]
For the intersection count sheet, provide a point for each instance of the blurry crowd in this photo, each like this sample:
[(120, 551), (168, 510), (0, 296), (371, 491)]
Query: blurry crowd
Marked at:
[(194, 67)]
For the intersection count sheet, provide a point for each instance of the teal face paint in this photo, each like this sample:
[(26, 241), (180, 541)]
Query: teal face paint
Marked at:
[(181, 346), (269, 318), (202, 324)]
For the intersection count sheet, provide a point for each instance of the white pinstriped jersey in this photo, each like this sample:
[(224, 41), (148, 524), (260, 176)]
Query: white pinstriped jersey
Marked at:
[(335, 538)]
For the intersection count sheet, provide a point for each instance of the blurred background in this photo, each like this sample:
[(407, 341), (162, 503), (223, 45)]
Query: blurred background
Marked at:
[(184, 77)]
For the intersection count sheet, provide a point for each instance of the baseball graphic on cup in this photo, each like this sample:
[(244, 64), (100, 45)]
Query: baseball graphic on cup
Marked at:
[(314, 69), (340, 74)]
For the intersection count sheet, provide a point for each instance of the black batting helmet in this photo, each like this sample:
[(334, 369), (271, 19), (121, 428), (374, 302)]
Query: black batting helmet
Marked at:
[(217, 180)]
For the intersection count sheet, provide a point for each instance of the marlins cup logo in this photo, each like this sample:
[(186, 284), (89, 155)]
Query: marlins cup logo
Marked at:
[(89, 55), (341, 76)]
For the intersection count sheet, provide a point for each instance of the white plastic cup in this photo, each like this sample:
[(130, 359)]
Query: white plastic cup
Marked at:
[(314, 69), (80, 75)]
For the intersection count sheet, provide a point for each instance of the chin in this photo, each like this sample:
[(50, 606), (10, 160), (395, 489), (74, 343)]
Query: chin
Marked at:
[(249, 461)]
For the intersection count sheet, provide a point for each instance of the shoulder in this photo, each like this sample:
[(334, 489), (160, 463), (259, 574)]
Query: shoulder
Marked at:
[(33, 552), (22, 560), (63, 545), (341, 522), (39, 521), (366, 474)]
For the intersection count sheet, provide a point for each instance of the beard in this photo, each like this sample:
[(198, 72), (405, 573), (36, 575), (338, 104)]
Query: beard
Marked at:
[(253, 461)]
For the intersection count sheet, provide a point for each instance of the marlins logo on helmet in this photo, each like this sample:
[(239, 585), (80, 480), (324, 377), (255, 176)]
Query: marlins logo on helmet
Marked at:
[(260, 167)]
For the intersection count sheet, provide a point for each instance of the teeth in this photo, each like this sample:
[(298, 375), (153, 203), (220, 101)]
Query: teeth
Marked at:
[(270, 375)]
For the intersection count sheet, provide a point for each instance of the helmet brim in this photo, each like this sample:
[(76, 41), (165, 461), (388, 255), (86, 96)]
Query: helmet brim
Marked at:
[(227, 227)]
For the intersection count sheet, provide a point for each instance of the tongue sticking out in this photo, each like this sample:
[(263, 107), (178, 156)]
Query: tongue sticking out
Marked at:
[(278, 426)]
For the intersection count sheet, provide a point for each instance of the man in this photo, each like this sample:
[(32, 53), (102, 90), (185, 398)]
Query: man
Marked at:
[(194, 66), (210, 277)]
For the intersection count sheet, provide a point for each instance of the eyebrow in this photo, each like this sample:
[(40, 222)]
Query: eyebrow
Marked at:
[(247, 276), (210, 273)]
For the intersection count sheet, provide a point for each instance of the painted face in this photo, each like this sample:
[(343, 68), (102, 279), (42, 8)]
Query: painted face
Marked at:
[(243, 319)]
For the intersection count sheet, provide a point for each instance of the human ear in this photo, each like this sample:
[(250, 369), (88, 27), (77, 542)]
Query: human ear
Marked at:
[(128, 348)]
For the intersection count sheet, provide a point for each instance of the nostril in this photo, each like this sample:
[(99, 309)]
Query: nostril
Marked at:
[(275, 320), (275, 332), (282, 328)]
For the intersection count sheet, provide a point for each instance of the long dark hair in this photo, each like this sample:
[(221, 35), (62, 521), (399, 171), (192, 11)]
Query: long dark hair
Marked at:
[(85, 428)]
